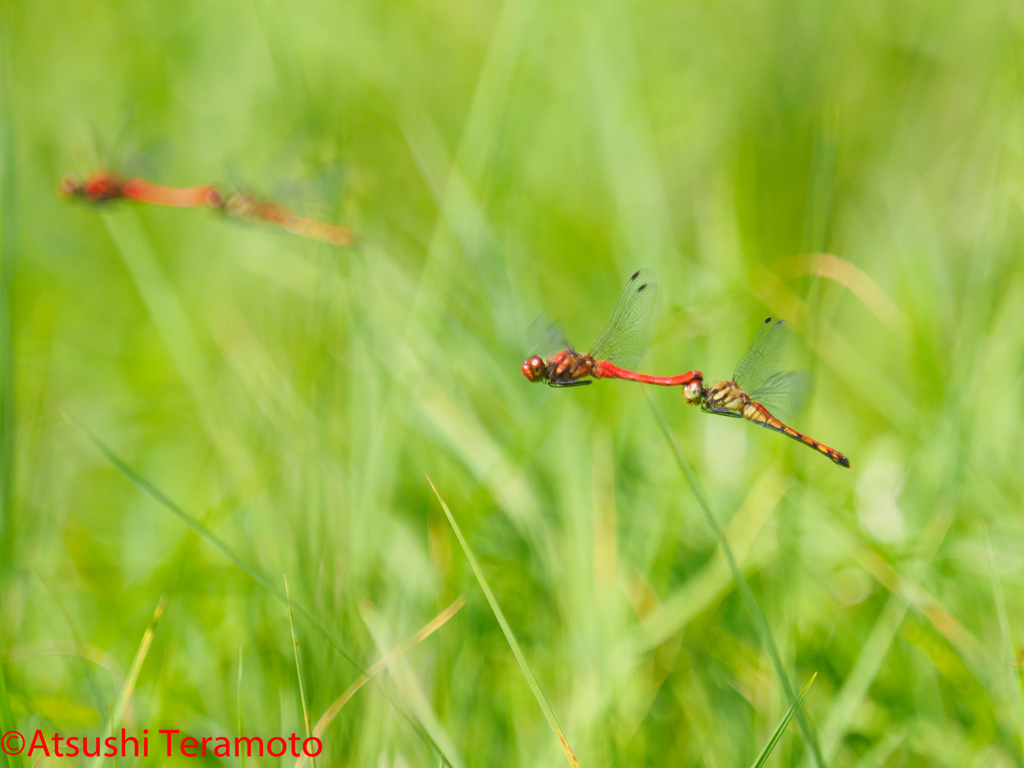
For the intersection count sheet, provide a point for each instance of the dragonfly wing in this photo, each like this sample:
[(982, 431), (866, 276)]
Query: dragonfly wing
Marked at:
[(784, 394), (545, 338), (762, 359), (625, 338)]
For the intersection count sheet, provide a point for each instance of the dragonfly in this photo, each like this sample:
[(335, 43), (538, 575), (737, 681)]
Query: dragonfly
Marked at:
[(105, 186), (759, 392), (618, 349)]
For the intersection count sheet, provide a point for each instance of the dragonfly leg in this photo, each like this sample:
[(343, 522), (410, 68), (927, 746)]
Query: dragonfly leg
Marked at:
[(720, 411)]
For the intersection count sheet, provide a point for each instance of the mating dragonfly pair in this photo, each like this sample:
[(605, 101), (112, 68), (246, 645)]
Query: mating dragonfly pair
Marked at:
[(757, 392), (105, 187)]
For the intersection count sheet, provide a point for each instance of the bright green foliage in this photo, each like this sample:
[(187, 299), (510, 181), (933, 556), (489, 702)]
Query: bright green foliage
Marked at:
[(269, 404)]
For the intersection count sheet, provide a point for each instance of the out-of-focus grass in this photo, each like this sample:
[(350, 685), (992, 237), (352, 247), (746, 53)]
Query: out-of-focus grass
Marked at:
[(853, 167)]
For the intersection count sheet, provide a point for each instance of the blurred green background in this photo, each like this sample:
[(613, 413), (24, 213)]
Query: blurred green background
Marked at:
[(503, 160)]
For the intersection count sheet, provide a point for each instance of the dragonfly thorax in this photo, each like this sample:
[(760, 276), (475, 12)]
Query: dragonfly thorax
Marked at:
[(726, 395), (568, 367)]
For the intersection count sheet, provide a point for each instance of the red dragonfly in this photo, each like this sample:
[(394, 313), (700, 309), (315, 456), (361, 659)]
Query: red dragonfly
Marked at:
[(758, 386), (618, 349), (105, 186)]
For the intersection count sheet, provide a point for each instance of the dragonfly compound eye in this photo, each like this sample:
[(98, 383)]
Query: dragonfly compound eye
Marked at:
[(533, 368)]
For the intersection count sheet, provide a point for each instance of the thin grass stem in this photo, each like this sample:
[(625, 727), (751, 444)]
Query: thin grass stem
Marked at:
[(741, 583), (781, 728), (6, 723), (1008, 641), (238, 697), (298, 661), (8, 260), (133, 676), (509, 635)]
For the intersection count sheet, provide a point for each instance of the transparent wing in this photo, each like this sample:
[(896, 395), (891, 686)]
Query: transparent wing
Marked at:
[(784, 394), (762, 359), (545, 338), (626, 336)]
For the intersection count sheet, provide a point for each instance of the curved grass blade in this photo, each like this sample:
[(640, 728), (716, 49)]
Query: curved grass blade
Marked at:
[(523, 665), (133, 675), (1008, 642), (6, 724), (386, 661), (239, 697), (298, 661), (781, 728), (8, 264), (741, 583)]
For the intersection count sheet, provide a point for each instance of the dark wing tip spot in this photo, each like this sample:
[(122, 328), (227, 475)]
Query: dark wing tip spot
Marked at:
[(767, 320), (641, 287), (635, 275)]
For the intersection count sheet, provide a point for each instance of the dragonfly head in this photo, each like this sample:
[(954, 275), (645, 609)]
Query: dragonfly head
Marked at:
[(693, 390), (534, 368)]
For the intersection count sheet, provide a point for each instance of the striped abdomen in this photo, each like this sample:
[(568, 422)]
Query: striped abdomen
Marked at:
[(758, 414)]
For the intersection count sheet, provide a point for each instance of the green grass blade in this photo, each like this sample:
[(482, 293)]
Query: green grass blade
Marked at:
[(298, 661), (384, 663), (239, 699), (8, 246), (878, 755), (6, 723), (1008, 644), (76, 640), (517, 652), (133, 676), (855, 688), (204, 533), (744, 588), (781, 728), (8, 256), (849, 698)]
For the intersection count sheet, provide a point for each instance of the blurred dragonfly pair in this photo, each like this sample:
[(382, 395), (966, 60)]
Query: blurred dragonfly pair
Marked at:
[(758, 391), (105, 186)]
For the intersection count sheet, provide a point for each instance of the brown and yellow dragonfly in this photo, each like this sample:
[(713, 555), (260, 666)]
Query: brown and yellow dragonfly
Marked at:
[(759, 392)]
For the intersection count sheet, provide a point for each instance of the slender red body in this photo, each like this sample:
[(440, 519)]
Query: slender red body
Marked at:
[(622, 341), (570, 368), (104, 186), (177, 197), (605, 370)]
